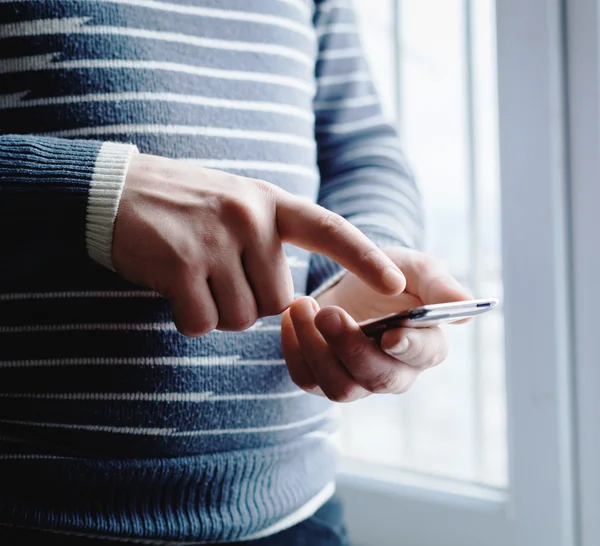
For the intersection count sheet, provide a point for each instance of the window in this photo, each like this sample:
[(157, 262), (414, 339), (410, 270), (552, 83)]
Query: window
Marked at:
[(443, 94), (500, 148)]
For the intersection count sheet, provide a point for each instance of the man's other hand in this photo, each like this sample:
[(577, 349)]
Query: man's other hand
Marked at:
[(327, 352)]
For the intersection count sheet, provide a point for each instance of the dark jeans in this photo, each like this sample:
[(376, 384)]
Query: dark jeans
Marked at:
[(325, 528)]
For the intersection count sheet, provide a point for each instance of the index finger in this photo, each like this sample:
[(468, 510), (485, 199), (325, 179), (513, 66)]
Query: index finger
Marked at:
[(431, 282), (317, 229)]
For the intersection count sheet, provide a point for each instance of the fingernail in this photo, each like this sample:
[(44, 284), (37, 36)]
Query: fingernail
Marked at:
[(331, 325), (400, 348), (308, 306)]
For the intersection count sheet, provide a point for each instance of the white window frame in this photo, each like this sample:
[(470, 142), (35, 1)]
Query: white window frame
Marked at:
[(583, 17), (539, 508)]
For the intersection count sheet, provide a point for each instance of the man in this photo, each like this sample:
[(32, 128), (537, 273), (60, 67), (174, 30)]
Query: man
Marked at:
[(147, 377)]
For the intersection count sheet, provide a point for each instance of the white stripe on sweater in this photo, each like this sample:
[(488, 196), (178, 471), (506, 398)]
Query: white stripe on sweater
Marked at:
[(77, 25), (232, 360), (293, 261), (352, 126), (368, 151), (342, 79), (155, 431), (17, 101), (46, 62), (18, 296), (215, 132), (301, 5), (116, 327), (152, 396), (342, 53), (29, 456), (337, 28), (215, 13), (382, 220), (382, 190), (343, 104)]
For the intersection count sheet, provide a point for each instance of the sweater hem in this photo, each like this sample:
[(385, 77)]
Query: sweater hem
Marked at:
[(231, 496), (298, 516)]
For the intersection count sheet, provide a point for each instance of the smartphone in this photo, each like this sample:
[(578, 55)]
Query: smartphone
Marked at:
[(428, 315)]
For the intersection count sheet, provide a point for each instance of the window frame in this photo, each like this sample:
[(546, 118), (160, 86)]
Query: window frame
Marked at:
[(583, 30), (389, 507)]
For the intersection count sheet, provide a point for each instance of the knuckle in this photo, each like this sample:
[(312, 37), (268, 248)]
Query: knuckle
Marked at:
[(247, 320), (200, 327), (342, 393), (354, 353), (332, 224), (239, 212), (274, 308), (279, 295), (373, 255), (266, 189), (432, 360), (183, 258), (386, 381), (239, 321), (215, 242), (402, 388)]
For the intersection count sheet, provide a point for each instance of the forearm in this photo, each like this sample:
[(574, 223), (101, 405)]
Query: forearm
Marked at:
[(364, 175), (368, 182), (60, 196)]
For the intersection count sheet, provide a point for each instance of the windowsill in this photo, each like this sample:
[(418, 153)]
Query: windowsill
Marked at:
[(403, 483)]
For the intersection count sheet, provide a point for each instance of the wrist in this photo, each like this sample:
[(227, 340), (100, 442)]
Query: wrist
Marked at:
[(106, 188)]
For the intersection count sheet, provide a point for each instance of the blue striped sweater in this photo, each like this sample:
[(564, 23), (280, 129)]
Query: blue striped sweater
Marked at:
[(111, 422)]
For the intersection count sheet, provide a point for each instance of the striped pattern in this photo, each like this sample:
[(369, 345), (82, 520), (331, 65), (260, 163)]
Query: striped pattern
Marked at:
[(233, 360), (96, 381)]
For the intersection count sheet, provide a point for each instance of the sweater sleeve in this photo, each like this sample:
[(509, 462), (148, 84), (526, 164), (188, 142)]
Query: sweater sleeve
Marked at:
[(364, 175), (60, 196)]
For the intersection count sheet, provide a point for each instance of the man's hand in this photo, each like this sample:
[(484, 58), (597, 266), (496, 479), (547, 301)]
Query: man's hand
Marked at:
[(327, 353), (212, 243)]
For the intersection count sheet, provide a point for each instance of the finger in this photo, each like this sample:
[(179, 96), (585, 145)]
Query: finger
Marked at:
[(233, 296), (269, 276), (194, 310), (317, 229), (372, 368), (430, 280), (297, 366), (418, 347), (330, 375)]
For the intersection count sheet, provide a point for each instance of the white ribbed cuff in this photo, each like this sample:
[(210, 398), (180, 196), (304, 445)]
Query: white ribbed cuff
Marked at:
[(105, 192)]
